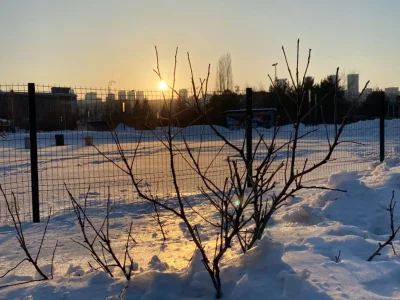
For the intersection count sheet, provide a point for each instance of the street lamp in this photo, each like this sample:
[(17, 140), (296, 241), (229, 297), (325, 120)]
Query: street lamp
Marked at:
[(274, 65)]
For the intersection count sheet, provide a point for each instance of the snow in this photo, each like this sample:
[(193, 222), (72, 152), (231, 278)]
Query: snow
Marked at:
[(295, 259), (79, 166)]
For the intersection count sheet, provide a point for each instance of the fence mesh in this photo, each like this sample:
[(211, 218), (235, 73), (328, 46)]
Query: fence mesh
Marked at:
[(71, 120), (15, 171)]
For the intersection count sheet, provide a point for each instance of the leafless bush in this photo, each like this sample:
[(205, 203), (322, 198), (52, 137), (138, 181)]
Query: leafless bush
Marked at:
[(393, 230), (94, 237), (245, 202), (265, 203), (12, 208)]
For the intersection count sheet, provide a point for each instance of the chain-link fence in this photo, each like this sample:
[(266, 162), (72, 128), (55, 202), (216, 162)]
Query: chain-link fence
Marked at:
[(75, 146)]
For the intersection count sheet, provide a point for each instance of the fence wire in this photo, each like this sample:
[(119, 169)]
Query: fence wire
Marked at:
[(71, 120)]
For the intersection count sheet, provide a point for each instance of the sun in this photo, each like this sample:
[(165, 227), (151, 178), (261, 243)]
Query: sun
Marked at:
[(162, 85)]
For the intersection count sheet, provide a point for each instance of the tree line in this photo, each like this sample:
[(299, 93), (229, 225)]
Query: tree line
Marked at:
[(145, 116)]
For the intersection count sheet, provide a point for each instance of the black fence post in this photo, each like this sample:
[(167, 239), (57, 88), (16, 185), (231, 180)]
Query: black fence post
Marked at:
[(33, 152), (382, 126), (249, 135)]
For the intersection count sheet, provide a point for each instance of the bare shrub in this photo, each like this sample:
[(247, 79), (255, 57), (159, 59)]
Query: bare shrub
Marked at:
[(98, 243), (13, 210), (247, 200), (393, 231)]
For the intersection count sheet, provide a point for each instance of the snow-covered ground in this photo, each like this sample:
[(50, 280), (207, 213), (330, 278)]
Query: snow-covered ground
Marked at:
[(79, 166), (294, 260)]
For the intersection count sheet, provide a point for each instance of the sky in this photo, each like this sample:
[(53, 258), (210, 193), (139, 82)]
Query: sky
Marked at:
[(89, 43)]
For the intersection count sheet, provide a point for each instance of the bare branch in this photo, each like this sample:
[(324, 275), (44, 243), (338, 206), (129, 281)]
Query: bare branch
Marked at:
[(392, 229)]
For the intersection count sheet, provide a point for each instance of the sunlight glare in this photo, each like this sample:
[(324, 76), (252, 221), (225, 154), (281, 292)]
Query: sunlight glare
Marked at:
[(162, 85)]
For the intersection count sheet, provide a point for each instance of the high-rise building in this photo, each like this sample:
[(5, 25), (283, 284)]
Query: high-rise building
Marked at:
[(140, 95), (391, 93), (91, 107), (122, 95), (367, 91), (183, 94), (392, 90), (131, 95), (90, 96), (352, 85)]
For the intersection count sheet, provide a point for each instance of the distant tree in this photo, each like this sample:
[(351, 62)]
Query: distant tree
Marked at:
[(163, 115), (149, 118), (285, 94), (219, 103), (145, 106), (224, 79), (141, 116), (183, 114), (137, 106), (112, 113), (370, 107), (281, 87), (326, 88), (133, 116), (308, 83)]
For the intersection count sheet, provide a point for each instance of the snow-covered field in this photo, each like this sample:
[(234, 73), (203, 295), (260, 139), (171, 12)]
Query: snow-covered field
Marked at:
[(294, 260), (79, 166)]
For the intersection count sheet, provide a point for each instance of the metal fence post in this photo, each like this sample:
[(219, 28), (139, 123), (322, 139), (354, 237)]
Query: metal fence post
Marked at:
[(249, 135), (382, 126), (33, 152)]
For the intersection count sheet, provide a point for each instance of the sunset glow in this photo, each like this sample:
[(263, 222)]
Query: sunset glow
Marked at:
[(162, 85)]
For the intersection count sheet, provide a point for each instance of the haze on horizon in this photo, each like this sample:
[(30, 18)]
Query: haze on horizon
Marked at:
[(86, 43)]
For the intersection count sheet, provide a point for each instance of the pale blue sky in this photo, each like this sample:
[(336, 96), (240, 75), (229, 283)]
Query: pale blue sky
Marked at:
[(89, 43)]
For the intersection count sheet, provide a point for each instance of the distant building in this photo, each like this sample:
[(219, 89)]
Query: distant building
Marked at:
[(56, 110), (392, 92), (111, 97), (91, 107), (183, 94), (61, 90), (352, 85), (122, 95), (366, 93), (91, 96), (131, 95), (140, 95)]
